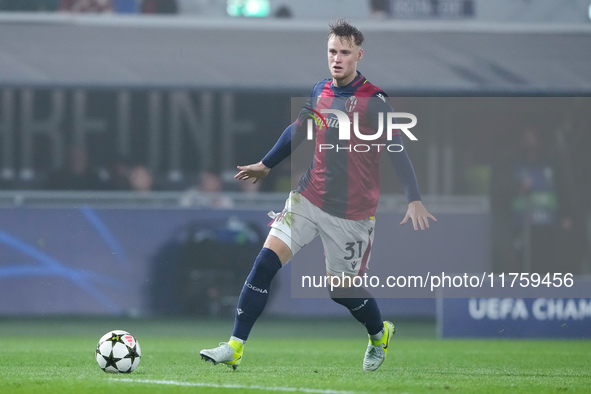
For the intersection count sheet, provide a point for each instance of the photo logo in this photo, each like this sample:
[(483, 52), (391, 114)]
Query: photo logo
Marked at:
[(341, 120)]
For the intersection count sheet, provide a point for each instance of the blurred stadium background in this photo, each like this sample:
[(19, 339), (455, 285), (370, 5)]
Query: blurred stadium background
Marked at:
[(121, 123)]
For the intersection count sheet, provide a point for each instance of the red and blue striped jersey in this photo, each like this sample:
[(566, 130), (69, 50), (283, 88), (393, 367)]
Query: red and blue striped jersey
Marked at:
[(345, 182), (340, 180)]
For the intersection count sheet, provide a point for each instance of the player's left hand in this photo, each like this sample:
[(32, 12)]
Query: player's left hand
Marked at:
[(418, 214)]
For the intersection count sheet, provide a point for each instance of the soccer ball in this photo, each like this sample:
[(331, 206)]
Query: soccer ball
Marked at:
[(118, 352)]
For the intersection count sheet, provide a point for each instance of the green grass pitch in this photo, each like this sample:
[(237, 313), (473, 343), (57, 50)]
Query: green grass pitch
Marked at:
[(57, 356)]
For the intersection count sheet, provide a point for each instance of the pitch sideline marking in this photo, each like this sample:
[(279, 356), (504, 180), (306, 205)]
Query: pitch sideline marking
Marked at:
[(232, 386)]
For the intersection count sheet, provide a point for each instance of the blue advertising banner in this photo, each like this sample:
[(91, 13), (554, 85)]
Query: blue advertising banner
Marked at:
[(124, 261), (137, 262), (514, 318)]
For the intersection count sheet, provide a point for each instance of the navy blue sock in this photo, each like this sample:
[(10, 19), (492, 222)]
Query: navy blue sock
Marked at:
[(362, 306), (255, 292)]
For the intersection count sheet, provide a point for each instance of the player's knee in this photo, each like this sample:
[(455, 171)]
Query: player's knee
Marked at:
[(279, 247), (338, 294), (266, 265)]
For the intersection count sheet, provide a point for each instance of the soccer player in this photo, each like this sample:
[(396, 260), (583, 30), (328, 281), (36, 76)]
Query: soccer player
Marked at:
[(336, 199)]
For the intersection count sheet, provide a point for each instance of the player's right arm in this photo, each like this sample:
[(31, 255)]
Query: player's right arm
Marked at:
[(280, 151), (291, 137), (257, 171)]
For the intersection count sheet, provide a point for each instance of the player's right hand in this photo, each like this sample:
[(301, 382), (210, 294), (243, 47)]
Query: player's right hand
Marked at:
[(257, 171)]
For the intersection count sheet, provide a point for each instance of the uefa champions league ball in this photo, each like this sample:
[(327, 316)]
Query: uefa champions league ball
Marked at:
[(118, 352)]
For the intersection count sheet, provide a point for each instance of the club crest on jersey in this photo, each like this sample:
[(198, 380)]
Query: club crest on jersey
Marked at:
[(351, 103)]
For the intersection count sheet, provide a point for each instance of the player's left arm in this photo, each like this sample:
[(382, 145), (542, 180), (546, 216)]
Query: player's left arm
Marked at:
[(416, 212)]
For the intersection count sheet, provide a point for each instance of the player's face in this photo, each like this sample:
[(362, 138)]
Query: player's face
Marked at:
[(343, 56)]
